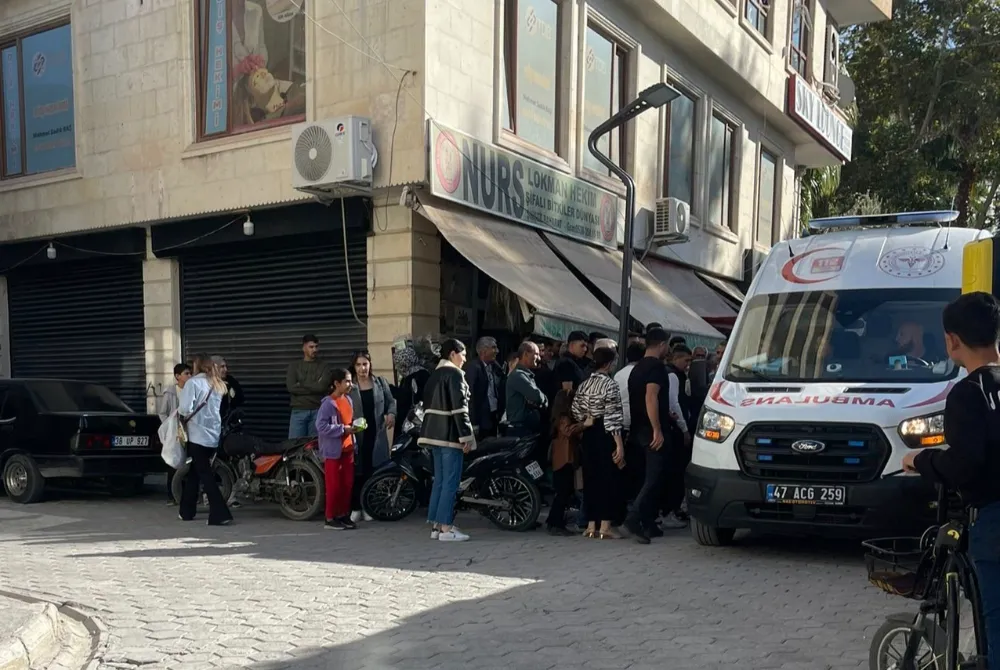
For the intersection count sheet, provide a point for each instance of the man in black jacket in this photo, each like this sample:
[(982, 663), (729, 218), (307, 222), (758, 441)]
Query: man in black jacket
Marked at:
[(485, 378), (971, 464), (569, 370)]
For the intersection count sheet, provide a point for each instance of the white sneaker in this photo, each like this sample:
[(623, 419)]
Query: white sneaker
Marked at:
[(453, 535), (435, 534), (356, 517), (671, 522), (365, 516)]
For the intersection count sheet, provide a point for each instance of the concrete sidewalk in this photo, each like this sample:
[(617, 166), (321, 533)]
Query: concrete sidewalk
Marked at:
[(29, 634)]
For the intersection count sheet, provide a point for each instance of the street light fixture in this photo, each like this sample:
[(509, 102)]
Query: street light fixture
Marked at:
[(656, 95)]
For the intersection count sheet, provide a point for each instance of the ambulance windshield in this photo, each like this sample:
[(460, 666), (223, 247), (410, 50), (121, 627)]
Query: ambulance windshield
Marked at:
[(859, 335)]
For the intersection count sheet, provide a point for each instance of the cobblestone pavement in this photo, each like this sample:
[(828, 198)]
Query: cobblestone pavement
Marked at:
[(267, 593)]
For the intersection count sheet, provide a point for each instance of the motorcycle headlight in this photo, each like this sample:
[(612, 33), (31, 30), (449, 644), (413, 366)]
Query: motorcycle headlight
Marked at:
[(715, 426), (923, 431)]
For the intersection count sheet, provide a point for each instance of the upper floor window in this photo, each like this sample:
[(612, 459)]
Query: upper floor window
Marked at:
[(678, 176), (36, 92), (604, 92), (531, 71), (767, 181), (800, 39), (755, 12), (252, 65), (721, 172)]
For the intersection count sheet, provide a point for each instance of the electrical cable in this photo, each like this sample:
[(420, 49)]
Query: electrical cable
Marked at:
[(347, 263)]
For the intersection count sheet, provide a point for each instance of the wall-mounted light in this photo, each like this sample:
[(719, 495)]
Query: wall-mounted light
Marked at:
[(51, 252), (248, 227)]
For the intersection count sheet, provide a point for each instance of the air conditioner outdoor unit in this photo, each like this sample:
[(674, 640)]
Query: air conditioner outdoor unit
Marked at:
[(671, 220), (333, 157)]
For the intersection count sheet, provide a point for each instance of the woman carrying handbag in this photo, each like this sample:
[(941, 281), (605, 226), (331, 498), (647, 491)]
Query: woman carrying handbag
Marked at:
[(198, 411)]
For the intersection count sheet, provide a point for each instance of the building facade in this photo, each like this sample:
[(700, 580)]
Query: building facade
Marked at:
[(146, 202)]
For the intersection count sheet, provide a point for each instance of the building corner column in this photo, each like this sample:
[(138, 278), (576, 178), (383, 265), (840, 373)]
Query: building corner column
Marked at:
[(162, 314), (404, 280)]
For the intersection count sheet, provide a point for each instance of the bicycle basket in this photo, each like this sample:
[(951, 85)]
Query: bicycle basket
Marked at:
[(900, 566)]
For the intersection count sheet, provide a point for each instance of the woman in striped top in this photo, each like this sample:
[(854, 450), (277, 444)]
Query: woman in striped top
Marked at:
[(599, 398)]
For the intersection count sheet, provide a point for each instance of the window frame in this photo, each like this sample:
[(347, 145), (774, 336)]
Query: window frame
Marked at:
[(803, 14), (775, 196), (201, 80), (621, 73), (697, 139), (508, 80), (14, 40), (732, 182), (762, 11)]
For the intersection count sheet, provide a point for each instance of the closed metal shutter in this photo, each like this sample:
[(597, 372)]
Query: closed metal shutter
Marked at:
[(81, 320), (252, 302)]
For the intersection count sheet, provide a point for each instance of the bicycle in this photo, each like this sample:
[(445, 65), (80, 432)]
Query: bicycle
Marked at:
[(936, 570)]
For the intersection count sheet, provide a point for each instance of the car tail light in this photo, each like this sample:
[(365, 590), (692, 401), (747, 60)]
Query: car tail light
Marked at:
[(94, 442)]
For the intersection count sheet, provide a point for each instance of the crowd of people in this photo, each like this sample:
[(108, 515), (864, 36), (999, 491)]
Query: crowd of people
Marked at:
[(614, 439)]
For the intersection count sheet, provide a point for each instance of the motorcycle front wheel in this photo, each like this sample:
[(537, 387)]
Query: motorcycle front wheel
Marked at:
[(389, 496), (224, 477), (524, 502), (303, 497)]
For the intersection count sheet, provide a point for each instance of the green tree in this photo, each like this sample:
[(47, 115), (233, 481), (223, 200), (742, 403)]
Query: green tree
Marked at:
[(928, 133)]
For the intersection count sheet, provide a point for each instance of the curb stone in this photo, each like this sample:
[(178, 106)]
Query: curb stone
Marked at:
[(34, 643), (18, 650)]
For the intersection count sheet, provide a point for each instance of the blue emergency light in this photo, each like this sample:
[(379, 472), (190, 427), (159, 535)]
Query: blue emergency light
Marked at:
[(899, 219)]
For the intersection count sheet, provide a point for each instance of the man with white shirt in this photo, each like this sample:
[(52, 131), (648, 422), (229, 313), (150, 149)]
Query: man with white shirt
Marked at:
[(673, 488), (634, 452)]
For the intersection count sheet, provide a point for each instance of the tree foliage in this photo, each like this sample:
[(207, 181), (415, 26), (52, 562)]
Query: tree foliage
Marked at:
[(928, 103)]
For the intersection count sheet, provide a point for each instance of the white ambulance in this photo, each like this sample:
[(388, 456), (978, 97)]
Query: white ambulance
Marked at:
[(836, 368)]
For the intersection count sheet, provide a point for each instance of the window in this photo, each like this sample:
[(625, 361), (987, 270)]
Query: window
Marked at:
[(252, 56), (36, 92), (604, 91), (59, 396), (531, 72), (755, 12), (678, 176), (721, 172), (766, 182), (799, 39)]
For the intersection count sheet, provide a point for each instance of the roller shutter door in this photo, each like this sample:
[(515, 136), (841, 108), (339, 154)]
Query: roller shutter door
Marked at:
[(81, 320), (253, 302)]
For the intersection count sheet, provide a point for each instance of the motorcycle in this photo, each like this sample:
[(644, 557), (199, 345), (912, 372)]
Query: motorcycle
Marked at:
[(498, 479), (289, 473)]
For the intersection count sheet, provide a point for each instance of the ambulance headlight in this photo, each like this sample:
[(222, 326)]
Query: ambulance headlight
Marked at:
[(715, 426), (923, 431)]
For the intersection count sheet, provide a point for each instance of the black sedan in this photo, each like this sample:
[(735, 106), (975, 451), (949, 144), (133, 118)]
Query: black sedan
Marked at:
[(56, 429)]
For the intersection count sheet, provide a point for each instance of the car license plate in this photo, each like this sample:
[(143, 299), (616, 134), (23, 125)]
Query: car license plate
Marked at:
[(806, 495), (130, 441), (534, 470)]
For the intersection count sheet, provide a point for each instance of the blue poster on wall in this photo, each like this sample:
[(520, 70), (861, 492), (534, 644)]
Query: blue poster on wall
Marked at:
[(217, 70), (11, 96), (47, 80)]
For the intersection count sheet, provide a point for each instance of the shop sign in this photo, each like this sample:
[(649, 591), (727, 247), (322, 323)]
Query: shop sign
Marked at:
[(813, 113), (494, 180)]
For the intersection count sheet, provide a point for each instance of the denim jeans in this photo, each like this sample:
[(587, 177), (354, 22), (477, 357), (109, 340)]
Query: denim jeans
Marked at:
[(302, 423), (984, 549), (447, 476)]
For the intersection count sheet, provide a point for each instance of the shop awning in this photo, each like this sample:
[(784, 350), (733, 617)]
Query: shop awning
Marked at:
[(518, 258), (685, 284), (725, 287), (651, 301)]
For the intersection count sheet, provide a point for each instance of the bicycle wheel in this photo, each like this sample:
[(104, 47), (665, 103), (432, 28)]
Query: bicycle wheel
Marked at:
[(952, 592), (889, 644)]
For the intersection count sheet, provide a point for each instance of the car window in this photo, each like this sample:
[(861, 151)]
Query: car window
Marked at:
[(63, 396), (5, 411), (15, 404)]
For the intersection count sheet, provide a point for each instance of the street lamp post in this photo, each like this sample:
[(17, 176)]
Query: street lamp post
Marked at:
[(656, 95)]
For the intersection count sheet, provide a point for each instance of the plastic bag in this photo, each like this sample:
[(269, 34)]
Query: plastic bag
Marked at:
[(173, 452)]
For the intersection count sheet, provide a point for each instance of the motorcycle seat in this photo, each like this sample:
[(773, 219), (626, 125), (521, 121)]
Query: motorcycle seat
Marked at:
[(244, 445), (495, 444)]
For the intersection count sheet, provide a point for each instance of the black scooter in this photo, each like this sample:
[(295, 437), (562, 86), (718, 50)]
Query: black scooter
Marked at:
[(498, 479)]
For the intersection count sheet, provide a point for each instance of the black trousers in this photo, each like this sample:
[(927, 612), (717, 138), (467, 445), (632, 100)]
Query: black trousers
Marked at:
[(363, 469), (201, 473), (600, 474), (563, 480), (678, 458)]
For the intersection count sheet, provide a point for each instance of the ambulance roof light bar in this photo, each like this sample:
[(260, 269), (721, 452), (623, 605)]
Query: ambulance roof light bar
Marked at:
[(899, 219)]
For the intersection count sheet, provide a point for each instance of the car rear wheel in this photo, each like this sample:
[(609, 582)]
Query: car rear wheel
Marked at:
[(707, 536), (23, 480)]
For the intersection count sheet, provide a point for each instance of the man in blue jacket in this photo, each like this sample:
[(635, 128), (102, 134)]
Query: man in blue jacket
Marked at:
[(524, 399)]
